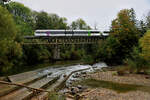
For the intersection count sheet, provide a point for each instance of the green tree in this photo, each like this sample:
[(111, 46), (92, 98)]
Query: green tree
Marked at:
[(36, 54), (147, 21), (136, 62), (109, 51), (142, 28), (125, 30), (145, 45), (79, 24), (50, 21), (22, 16), (11, 51), (42, 20), (57, 22), (124, 35)]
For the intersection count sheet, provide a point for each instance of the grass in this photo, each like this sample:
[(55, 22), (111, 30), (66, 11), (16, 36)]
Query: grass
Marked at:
[(118, 87), (56, 96), (114, 73)]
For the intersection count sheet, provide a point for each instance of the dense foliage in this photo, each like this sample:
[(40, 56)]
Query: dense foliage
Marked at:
[(136, 62), (145, 45), (124, 35), (79, 24), (10, 50)]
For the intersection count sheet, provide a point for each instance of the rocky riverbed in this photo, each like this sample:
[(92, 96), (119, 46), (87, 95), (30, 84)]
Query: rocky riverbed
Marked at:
[(50, 79), (107, 85), (96, 82)]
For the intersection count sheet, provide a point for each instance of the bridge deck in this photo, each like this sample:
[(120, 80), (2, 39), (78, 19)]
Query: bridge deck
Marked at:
[(50, 37)]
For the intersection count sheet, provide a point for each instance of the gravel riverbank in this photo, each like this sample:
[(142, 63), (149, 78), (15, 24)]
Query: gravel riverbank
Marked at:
[(100, 93)]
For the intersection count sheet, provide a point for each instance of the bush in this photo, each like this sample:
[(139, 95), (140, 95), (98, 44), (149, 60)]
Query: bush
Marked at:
[(145, 45), (136, 62), (36, 54), (88, 59), (109, 51), (56, 96)]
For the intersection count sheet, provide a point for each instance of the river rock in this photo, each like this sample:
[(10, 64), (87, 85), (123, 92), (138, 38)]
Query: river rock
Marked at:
[(83, 73), (74, 90), (79, 87), (65, 91), (83, 76), (76, 75), (64, 75), (147, 77)]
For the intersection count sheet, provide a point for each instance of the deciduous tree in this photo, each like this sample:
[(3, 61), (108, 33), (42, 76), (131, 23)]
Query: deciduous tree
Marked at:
[(79, 24), (10, 50), (145, 45), (124, 35)]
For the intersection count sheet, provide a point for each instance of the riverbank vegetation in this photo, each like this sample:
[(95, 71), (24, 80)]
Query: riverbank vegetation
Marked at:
[(127, 44)]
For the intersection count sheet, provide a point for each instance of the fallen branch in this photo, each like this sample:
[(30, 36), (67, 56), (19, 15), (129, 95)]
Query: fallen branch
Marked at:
[(21, 85)]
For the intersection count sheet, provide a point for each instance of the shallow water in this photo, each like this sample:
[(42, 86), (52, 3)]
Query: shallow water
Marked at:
[(67, 70), (54, 72)]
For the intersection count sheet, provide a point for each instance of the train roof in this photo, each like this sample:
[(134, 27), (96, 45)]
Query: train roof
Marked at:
[(70, 30)]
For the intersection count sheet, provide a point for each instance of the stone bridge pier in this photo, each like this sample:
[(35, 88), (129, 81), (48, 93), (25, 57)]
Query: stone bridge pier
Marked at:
[(56, 52)]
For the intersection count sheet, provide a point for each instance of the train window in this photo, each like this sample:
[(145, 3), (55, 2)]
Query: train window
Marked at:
[(39, 32)]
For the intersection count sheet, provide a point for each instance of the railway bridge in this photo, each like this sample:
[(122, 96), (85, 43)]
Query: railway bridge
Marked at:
[(57, 41)]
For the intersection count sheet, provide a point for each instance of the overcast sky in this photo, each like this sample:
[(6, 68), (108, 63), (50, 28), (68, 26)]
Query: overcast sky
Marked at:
[(101, 12)]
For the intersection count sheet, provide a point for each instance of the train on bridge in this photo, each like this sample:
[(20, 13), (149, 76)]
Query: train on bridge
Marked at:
[(55, 33)]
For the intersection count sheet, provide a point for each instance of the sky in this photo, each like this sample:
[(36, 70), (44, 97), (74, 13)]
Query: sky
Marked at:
[(94, 12)]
